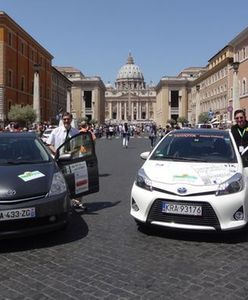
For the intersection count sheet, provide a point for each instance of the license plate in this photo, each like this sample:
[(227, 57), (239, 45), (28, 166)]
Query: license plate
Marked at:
[(14, 214), (182, 209)]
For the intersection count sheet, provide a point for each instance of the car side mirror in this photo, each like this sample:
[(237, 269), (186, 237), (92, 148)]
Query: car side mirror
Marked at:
[(64, 157), (144, 155)]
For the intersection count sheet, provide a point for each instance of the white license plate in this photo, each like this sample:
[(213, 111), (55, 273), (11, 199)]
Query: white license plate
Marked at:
[(182, 209), (14, 214)]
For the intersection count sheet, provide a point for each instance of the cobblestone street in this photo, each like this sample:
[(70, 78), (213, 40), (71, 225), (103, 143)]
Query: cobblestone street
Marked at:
[(102, 254)]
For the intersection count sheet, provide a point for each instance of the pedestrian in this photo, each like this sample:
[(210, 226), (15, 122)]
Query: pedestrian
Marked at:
[(240, 132), (125, 135), (86, 128), (58, 136), (153, 135)]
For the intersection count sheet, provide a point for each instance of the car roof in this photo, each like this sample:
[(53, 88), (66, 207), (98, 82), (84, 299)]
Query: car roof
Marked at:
[(207, 131), (18, 135)]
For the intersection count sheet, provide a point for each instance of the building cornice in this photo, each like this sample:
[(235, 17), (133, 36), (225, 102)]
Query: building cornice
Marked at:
[(4, 18)]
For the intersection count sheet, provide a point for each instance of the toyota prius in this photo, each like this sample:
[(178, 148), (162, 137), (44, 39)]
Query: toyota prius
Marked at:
[(36, 188)]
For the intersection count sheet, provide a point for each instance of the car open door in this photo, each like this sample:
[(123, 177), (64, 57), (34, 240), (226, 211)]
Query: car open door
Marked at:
[(78, 161)]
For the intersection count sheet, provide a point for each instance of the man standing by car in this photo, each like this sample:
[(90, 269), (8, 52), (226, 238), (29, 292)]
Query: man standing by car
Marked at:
[(240, 131), (58, 136)]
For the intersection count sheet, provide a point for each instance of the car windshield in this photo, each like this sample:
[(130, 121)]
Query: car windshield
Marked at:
[(21, 150), (201, 147)]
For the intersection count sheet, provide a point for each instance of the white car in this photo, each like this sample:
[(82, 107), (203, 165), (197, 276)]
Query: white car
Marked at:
[(46, 134), (193, 179)]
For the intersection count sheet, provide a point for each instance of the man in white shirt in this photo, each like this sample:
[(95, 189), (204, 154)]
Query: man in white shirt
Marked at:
[(58, 137), (61, 133)]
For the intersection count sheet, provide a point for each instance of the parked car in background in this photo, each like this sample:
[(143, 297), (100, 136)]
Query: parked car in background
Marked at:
[(47, 133), (204, 126), (35, 188), (195, 180)]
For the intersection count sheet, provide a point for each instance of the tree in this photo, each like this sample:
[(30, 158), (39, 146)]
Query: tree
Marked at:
[(172, 122), (24, 116), (182, 120), (93, 121), (203, 117)]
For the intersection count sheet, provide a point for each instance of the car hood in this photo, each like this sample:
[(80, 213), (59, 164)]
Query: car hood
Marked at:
[(187, 173), (25, 180)]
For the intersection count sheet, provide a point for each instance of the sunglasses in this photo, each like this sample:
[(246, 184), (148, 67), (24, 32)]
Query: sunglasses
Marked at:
[(239, 118)]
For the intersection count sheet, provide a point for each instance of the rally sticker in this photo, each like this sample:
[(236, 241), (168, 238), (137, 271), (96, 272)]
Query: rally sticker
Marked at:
[(31, 175)]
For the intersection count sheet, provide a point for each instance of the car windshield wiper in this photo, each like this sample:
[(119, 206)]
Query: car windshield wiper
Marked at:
[(179, 158)]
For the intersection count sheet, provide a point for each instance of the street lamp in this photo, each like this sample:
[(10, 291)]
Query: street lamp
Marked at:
[(36, 92)]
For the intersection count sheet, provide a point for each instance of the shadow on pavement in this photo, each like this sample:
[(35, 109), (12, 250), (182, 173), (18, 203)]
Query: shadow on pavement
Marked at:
[(104, 175), (76, 229), (231, 237), (93, 207)]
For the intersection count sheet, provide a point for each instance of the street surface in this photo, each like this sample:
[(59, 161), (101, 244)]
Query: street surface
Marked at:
[(102, 254)]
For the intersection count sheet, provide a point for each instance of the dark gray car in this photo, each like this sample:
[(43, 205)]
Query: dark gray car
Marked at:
[(35, 188)]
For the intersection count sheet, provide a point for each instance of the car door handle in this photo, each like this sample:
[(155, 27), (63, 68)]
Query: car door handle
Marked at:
[(91, 164)]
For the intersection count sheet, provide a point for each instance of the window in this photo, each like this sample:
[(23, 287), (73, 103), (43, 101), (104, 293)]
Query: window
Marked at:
[(22, 48), (10, 77), (10, 39), (244, 86), (22, 83)]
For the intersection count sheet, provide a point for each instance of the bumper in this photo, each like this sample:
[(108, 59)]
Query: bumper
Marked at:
[(50, 214), (217, 211)]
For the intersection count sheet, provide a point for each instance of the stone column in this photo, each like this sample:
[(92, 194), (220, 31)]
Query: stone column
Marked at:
[(110, 110), (197, 104), (125, 111), (36, 92), (68, 100)]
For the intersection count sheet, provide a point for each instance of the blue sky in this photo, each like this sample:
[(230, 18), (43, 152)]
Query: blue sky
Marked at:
[(163, 36)]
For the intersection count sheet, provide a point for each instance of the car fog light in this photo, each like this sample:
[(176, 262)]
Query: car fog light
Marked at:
[(134, 205), (52, 219), (239, 215)]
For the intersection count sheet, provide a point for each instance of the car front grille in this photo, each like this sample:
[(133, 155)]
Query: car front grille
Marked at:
[(18, 200), (208, 217)]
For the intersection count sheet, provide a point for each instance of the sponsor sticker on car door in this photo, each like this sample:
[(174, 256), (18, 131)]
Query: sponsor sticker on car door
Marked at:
[(80, 171)]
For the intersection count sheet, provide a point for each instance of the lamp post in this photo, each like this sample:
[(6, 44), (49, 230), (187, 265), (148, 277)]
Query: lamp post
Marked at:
[(236, 104), (36, 92)]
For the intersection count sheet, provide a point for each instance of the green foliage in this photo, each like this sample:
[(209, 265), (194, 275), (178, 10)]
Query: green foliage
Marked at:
[(23, 115), (203, 117), (93, 121), (172, 122), (182, 120)]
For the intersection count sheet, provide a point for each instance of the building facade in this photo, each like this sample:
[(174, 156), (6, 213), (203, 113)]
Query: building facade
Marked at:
[(61, 95), (19, 55), (87, 95), (240, 50), (210, 92), (172, 101), (131, 99)]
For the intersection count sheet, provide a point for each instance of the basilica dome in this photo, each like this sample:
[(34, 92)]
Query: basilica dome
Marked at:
[(130, 71)]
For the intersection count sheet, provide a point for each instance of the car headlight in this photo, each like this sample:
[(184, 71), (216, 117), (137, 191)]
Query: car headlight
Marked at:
[(58, 185), (143, 180), (233, 185)]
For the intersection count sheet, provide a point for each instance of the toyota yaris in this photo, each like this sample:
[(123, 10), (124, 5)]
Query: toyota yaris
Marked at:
[(194, 179)]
